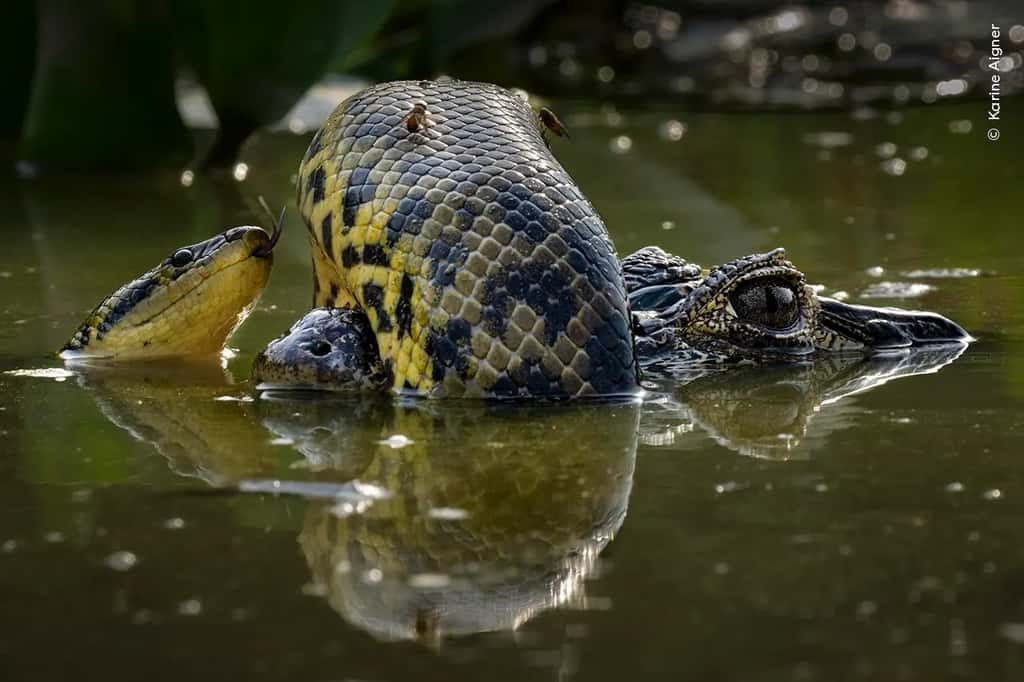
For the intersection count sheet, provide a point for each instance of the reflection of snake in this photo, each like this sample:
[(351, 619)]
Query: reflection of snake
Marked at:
[(479, 536)]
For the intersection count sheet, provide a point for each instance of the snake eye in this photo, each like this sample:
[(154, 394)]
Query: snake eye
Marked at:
[(770, 304), (181, 258)]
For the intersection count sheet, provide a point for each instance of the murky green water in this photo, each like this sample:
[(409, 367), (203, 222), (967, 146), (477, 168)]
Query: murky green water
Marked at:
[(834, 522)]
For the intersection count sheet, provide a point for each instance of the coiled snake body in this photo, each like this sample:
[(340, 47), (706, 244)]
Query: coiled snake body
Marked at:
[(482, 268)]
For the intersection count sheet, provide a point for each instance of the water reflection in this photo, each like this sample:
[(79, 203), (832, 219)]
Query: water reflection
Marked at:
[(493, 514), (777, 411), (429, 519), (423, 519)]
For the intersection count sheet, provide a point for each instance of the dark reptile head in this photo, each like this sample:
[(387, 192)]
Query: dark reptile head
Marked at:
[(187, 305), (760, 307), (328, 349)]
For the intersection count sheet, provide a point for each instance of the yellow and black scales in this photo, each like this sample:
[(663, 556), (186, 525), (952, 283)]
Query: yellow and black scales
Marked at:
[(482, 268)]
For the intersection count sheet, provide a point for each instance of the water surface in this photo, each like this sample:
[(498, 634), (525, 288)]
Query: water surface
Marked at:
[(840, 521)]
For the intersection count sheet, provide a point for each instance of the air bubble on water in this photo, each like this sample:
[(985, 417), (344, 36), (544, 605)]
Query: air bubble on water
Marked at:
[(429, 581), (396, 441), (919, 153), (667, 225), (721, 568), (620, 144), (373, 576), (174, 523), (54, 537), (121, 561), (993, 494), (241, 171), (960, 126), (672, 130), (1013, 632), (866, 609), (894, 167), (283, 440), (821, 488), (886, 150), (343, 566), (875, 271), (955, 487), (9, 546), (190, 607), (841, 295), (187, 178), (448, 514)]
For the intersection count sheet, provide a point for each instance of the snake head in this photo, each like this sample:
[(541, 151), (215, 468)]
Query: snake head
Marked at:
[(189, 304)]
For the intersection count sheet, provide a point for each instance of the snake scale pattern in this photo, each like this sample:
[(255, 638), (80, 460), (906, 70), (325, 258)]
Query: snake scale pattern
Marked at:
[(482, 268)]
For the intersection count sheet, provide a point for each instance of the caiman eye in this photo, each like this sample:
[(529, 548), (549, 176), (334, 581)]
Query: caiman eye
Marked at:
[(181, 258), (771, 305)]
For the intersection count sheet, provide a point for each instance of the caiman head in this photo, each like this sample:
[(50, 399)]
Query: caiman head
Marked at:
[(760, 308)]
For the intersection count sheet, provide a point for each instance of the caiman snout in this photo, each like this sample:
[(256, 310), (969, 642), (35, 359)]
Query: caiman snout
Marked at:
[(888, 328)]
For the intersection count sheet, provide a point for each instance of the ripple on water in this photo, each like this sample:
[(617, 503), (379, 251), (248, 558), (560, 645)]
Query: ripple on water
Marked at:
[(897, 290), (943, 273), (55, 373)]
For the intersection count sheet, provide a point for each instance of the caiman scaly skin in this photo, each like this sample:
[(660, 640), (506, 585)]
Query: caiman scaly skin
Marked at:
[(482, 268)]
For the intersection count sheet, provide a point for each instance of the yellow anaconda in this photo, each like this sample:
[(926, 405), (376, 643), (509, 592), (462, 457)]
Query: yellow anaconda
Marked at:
[(436, 208)]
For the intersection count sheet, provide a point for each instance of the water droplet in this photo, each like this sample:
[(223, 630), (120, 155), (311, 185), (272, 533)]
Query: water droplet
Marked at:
[(190, 607), (894, 167), (838, 16), (396, 441), (187, 178), (121, 561), (620, 144), (373, 576), (429, 581), (241, 171), (886, 150), (960, 126), (448, 514), (174, 523), (672, 130)]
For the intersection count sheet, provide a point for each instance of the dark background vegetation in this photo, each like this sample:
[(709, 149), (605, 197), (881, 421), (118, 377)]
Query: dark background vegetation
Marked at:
[(92, 84)]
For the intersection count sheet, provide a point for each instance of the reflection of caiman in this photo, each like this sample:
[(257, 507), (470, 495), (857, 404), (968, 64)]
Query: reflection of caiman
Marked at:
[(467, 263), (431, 518)]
